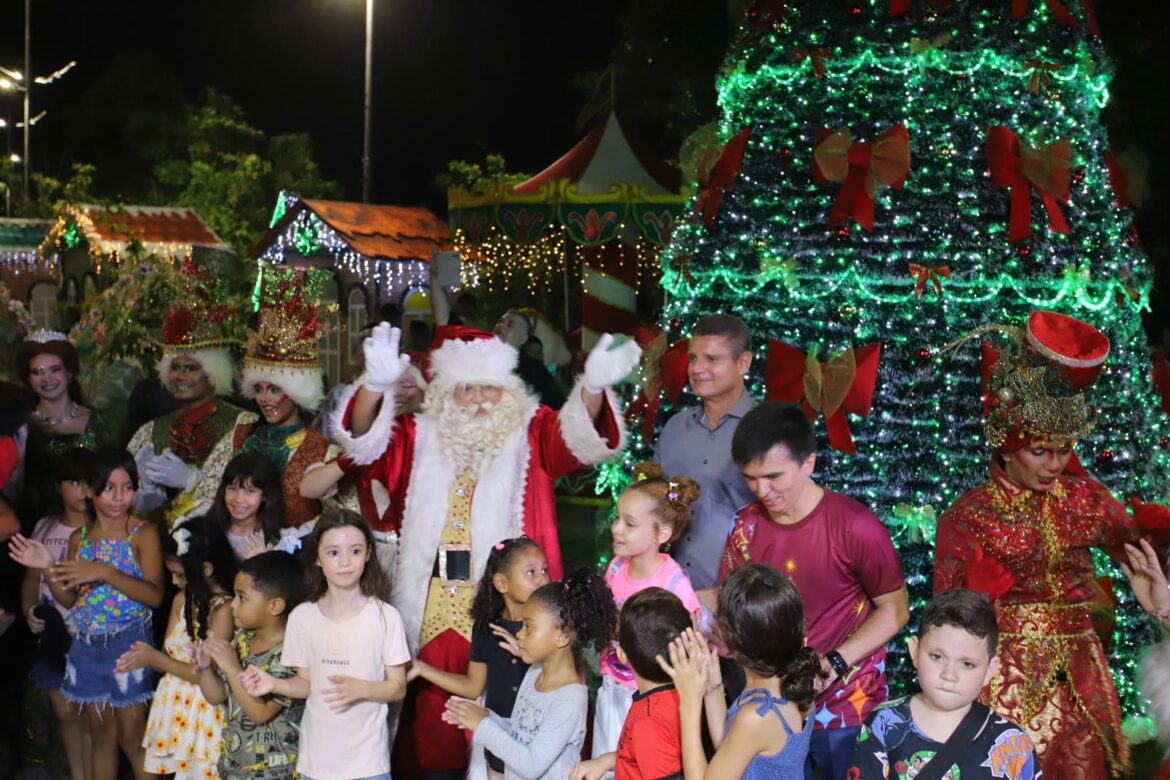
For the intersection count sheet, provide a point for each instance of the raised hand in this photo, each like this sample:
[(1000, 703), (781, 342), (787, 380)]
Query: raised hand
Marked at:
[(257, 682), (29, 553), (170, 470), (221, 652), (1148, 580), (593, 769), (139, 656), (70, 574), (508, 640), (253, 544), (35, 624), (345, 692), (383, 363), (689, 665), (463, 713), (605, 367)]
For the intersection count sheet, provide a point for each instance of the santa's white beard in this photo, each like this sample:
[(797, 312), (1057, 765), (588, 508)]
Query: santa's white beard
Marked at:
[(469, 438)]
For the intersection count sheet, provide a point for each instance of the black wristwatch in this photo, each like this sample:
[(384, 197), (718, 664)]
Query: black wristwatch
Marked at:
[(837, 661)]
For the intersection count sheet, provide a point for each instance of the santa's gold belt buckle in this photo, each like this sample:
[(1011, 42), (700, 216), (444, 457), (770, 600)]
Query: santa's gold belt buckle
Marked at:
[(453, 564)]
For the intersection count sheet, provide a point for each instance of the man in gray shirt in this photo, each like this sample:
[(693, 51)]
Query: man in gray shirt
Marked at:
[(696, 442)]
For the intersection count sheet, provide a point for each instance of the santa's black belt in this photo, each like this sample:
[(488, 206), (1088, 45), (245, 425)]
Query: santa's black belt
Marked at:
[(452, 564)]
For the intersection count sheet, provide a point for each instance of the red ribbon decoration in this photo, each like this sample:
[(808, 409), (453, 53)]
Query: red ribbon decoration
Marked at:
[(844, 384), (721, 176), (819, 57), (1022, 168), (1161, 377), (900, 7), (1116, 178), (929, 273), (861, 167), (663, 370), (1039, 78), (1020, 10)]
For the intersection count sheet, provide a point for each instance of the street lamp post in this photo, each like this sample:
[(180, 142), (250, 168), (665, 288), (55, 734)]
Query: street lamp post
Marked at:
[(27, 70), (369, 101)]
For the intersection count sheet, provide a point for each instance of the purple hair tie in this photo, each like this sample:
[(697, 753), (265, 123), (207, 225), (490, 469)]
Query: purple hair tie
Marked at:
[(672, 492)]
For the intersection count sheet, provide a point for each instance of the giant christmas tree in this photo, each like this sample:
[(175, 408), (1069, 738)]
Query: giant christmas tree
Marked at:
[(898, 173)]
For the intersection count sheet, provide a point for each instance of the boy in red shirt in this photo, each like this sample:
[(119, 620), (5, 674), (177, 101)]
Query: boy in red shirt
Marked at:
[(649, 747)]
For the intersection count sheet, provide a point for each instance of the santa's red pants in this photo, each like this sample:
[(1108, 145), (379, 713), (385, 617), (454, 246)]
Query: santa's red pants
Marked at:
[(424, 742)]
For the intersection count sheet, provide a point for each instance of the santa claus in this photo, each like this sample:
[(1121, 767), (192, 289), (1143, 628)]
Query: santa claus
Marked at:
[(475, 466)]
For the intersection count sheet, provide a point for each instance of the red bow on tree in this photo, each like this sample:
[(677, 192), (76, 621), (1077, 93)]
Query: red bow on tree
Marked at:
[(899, 7), (843, 385), (929, 273), (1127, 175), (818, 57), (721, 176), (662, 370), (861, 167), (1022, 168), (1039, 78)]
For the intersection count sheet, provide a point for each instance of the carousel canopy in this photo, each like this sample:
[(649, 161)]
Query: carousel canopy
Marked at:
[(610, 154), (608, 182)]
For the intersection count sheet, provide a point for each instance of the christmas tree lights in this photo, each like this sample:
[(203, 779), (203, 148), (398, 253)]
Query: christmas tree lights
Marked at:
[(939, 260)]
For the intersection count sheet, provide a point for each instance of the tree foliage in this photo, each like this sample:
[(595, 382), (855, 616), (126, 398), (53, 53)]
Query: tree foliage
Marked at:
[(231, 173)]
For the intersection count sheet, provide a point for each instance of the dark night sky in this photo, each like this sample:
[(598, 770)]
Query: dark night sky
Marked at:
[(452, 78)]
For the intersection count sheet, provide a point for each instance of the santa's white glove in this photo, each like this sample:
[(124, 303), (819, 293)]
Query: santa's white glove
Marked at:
[(170, 470), (605, 367), (383, 363)]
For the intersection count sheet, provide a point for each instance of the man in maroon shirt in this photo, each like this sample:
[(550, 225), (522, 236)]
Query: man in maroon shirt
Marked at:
[(842, 561)]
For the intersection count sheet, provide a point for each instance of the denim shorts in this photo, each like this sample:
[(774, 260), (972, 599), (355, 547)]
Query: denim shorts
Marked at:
[(46, 678), (89, 669)]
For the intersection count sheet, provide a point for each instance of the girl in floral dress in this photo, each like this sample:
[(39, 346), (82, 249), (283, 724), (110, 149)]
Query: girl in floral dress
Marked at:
[(183, 731)]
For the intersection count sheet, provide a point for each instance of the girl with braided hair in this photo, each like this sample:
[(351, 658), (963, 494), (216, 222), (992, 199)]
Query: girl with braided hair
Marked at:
[(544, 735)]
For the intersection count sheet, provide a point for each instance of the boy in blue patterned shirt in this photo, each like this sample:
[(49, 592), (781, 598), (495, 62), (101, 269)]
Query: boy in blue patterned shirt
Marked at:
[(955, 655)]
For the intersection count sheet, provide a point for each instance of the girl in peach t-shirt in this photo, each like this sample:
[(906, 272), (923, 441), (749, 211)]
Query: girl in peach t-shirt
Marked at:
[(350, 653)]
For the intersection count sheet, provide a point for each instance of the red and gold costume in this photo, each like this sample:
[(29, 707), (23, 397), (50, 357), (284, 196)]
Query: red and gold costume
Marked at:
[(282, 351), (1053, 676), (1030, 549)]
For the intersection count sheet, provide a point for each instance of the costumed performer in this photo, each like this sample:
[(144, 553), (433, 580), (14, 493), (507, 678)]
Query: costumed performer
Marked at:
[(282, 373), (195, 368), (49, 366), (485, 454), (1025, 539)]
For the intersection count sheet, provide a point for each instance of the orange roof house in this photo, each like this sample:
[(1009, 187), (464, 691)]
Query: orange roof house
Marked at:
[(87, 237), (378, 254), (109, 232)]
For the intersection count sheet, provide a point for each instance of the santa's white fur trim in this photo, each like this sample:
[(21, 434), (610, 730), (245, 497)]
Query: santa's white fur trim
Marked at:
[(497, 513), (1155, 684), (478, 362), (580, 433), (303, 385), (217, 364), (368, 447)]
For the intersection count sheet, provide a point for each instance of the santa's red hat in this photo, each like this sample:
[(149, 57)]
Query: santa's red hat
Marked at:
[(462, 355)]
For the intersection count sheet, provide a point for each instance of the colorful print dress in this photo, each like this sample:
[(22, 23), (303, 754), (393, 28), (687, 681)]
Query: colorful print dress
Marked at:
[(183, 732)]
